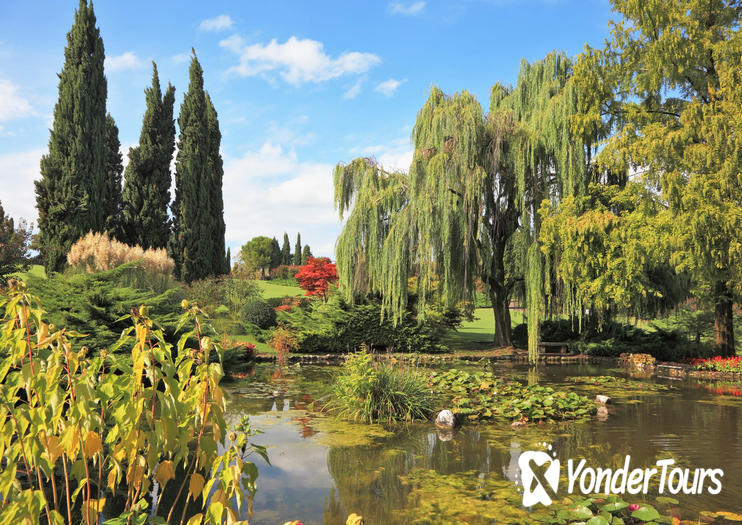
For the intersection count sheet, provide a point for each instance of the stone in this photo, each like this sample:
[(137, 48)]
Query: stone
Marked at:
[(603, 400), (445, 419)]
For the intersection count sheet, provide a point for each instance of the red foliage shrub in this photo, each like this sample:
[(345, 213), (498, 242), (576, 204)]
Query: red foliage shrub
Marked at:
[(316, 275)]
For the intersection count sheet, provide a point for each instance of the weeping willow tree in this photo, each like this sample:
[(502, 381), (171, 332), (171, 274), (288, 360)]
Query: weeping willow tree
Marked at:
[(474, 180)]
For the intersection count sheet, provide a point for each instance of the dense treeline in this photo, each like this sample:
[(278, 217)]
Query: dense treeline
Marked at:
[(80, 189), (596, 186)]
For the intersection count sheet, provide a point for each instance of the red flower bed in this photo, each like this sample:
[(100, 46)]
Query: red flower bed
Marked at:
[(719, 364)]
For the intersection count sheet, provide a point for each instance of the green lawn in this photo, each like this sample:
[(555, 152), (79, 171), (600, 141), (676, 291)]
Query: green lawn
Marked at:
[(480, 332), (35, 270), (270, 290)]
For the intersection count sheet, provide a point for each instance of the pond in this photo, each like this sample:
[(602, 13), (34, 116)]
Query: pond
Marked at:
[(322, 470)]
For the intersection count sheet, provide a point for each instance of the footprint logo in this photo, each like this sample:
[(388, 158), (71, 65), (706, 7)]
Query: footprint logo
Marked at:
[(539, 474)]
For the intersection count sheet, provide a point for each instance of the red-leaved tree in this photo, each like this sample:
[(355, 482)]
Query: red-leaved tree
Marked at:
[(316, 275)]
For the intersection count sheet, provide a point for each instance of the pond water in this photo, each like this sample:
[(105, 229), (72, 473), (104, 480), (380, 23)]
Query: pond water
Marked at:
[(322, 470)]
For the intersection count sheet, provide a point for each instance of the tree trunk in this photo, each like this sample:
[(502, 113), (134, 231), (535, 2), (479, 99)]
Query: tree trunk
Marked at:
[(723, 320), (501, 308)]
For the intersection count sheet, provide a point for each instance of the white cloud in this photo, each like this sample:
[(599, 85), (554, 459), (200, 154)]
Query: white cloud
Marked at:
[(12, 104), (181, 58), (270, 190), (354, 90), (394, 155), (400, 8), (218, 23), (389, 87), (296, 60), (123, 62), (17, 174)]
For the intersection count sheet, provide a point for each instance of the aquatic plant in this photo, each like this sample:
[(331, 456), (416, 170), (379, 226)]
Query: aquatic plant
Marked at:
[(89, 436), (483, 396), (379, 392)]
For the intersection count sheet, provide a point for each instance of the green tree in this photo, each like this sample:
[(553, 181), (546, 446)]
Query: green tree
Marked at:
[(14, 244), (197, 242), (228, 262), (146, 193), (112, 200), (69, 195), (672, 70), (297, 250), (286, 250), (257, 254), (276, 255), (305, 254)]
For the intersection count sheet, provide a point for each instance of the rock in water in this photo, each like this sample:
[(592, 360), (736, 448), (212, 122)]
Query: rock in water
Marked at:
[(445, 419), (603, 400)]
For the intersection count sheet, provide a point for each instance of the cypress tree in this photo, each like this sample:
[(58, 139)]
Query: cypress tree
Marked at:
[(69, 195), (305, 255), (146, 192), (297, 250), (215, 216), (112, 203), (228, 262), (197, 241), (276, 255), (286, 250)]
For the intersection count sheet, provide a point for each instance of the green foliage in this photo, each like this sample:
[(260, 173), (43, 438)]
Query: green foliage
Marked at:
[(258, 313), (258, 254), (197, 242), (276, 257), (373, 393), (93, 435), (214, 292), (483, 396), (146, 193), (14, 244), (337, 327), (112, 199), (286, 251), (297, 250), (70, 192), (94, 304), (305, 254)]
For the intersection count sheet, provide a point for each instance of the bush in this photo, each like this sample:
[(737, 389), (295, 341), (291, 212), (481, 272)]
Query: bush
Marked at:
[(336, 327), (552, 330), (285, 271), (258, 313), (97, 252), (370, 393)]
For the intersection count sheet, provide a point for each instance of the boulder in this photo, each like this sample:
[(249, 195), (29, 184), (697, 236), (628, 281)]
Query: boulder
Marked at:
[(445, 419), (603, 400)]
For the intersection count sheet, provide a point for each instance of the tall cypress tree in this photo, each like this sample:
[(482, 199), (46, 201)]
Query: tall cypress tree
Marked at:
[(112, 203), (146, 192), (215, 217), (276, 256), (198, 207), (305, 254), (69, 195), (228, 262), (286, 250), (297, 250)]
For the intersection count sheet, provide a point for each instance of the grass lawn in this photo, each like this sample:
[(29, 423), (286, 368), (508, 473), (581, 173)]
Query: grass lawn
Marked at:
[(480, 332), (270, 290), (35, 270)]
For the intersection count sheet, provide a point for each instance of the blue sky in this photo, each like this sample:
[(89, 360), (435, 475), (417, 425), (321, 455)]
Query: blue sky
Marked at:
[(298, 86)]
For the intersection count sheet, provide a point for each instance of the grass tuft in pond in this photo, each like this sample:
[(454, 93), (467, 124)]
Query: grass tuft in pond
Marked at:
[(374, 393)]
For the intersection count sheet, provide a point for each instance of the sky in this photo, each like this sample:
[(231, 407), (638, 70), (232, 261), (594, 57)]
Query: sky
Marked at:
[(299, 86)]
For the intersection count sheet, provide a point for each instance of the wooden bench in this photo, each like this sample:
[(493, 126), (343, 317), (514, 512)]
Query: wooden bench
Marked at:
[(547, 348)]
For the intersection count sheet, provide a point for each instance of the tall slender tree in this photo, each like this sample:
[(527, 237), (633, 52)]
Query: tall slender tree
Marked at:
[(276, 256), (305, 254), (215, 173), (198, 221), (70, 193), (297, 250), (286, 250), (146, 193), (112, 200)]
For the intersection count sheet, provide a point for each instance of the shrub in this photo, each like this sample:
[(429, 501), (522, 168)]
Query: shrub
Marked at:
[(238, 292), (719, 364), (207, 293), (96, 252), (258, 313), (370, 393), (283, 341), (132, 424), (284, 271)]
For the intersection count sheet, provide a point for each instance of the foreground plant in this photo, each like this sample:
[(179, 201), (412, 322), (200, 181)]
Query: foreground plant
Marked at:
[(83, 436), (719, 364), (373, 393)]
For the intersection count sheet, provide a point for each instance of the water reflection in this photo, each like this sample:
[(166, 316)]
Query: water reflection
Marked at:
[(322, 470)]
